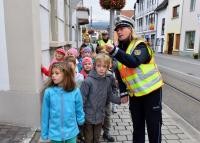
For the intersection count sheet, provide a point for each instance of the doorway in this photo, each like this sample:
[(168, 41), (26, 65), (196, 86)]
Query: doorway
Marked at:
[(170, 43)]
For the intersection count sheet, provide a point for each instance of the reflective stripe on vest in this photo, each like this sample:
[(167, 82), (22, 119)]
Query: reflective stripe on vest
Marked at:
[(141, 80)]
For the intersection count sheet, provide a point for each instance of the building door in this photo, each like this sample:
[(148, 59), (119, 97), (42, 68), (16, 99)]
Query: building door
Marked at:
[(170, 43), (177, 41), (162, 43)]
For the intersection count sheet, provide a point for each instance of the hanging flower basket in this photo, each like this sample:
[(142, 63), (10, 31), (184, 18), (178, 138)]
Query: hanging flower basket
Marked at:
[(112, 4), (105, 4)]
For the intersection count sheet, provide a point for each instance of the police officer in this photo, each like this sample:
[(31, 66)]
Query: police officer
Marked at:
[(103, 41), (139, 78)]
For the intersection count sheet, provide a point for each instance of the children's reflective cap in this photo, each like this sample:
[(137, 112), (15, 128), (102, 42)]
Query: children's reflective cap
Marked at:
[(61, 50), (123, 21), (73, 51), (86, 59), (87, 50)]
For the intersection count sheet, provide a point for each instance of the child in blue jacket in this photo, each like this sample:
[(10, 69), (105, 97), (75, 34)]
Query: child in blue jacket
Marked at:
[(62, 106)]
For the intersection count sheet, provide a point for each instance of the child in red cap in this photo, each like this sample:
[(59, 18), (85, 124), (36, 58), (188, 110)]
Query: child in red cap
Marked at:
[(87, 66), (59, 55)]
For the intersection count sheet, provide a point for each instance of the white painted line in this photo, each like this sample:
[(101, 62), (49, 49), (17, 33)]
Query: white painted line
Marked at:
[(179, 72)]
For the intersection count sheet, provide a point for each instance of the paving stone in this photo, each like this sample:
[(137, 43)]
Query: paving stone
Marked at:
[(121, 138), (165, 132), (183, 136), (172, 137), (119, 127), (173, 141), (124, 132), (176, 131), (127, 141), (172, 127)]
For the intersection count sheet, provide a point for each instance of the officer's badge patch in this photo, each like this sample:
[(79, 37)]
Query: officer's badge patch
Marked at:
[(137, 52)]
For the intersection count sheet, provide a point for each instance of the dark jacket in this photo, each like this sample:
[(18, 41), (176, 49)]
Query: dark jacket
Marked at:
[(97, 91)]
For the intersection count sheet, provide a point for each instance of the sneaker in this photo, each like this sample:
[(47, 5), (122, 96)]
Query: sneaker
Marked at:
[(114, 110), (108, 137)]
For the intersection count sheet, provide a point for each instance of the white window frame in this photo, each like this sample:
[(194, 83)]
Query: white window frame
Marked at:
[(187, 40)]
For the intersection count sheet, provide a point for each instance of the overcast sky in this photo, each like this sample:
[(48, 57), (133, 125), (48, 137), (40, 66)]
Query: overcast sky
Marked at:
[(100, 14)]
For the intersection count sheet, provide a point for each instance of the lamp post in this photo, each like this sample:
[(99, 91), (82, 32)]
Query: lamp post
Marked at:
[(112, 5), (111, 32)]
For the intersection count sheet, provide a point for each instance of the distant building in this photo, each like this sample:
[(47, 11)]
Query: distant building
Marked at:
[(190, 28), (145, 20), (161, 12), (128, 13)]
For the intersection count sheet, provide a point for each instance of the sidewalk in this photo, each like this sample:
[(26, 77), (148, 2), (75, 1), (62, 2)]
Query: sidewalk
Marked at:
[(174, 129)]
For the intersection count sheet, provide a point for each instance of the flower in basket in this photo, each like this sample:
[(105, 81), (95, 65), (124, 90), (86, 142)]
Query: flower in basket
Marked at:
[(112, 4), (105, 4), (117, 4)]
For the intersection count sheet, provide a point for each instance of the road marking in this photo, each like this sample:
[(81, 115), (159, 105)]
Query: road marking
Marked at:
[(179, 72), (180, 60)]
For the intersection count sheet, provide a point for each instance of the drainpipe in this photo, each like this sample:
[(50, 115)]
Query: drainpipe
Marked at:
[(181, 26), (156, 15), (70, 21)]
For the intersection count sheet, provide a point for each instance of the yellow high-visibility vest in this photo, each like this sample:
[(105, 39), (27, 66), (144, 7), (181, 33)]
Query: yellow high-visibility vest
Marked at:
[(102, 43), (145, 78)]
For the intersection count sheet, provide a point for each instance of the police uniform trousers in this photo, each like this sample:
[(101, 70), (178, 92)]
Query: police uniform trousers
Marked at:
[(147, 109)]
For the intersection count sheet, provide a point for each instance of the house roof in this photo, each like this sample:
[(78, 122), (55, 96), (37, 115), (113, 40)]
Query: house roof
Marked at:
[(162, 6), (127, 13)]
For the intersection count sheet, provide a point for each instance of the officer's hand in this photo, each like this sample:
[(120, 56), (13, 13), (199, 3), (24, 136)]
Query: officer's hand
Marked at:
[(109, 48), (124, 99)]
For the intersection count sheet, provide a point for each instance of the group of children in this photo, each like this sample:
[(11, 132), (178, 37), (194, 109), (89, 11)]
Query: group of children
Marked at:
[(77, 96)]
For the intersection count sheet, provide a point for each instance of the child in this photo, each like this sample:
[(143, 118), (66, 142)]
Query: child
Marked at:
[(97, 91), (87, 66), (73, 52), (62, 106), (58, 57), (84, 52), (78, 77), (107, 124)]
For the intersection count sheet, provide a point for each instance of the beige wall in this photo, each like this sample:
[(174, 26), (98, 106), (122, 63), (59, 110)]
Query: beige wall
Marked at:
[(20, 105), (190, 22), (173, 25)]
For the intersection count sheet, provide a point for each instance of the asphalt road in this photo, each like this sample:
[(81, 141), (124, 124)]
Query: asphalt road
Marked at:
[(182, 89)]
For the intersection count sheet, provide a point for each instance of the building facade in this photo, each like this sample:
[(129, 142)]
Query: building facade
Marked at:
[(173, 27), (160, 12), (30, 31), (190, 28), (145, 20)]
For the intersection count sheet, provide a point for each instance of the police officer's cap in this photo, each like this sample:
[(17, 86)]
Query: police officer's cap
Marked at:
[(123, 21)]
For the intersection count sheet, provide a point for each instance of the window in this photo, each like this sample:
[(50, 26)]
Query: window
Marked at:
[(189, 39), (192, 5), (163, 26), (140, 24), (146, 20), (151, 18), (176, 11)]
